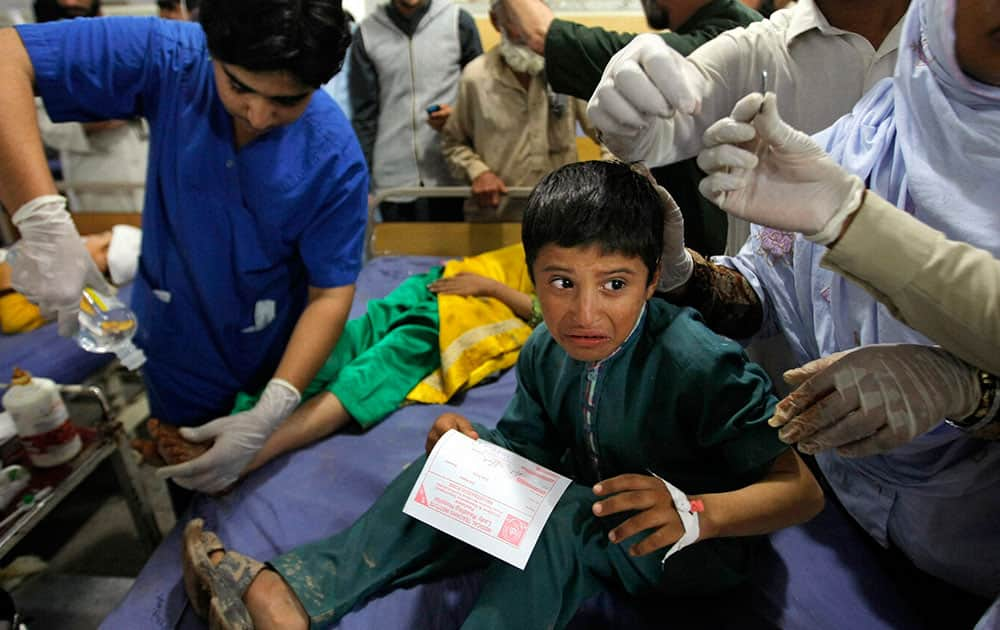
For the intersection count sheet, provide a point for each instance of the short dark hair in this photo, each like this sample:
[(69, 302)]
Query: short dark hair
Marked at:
[(307, 38), (595, 203)]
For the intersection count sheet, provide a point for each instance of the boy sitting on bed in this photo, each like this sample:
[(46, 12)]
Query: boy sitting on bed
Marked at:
[(618, 392)]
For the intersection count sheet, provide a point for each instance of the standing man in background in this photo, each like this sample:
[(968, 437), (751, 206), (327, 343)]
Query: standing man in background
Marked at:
[(509, 128), (406, 57), (575, 56)]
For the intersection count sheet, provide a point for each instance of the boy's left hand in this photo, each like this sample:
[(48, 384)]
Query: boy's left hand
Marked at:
[(649, 497), (446, 422)]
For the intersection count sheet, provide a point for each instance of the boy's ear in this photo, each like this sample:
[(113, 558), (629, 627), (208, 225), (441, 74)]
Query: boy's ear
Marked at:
[(654, 282)]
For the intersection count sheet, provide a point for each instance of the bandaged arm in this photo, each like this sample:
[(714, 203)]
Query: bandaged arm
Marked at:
[(947, 290)]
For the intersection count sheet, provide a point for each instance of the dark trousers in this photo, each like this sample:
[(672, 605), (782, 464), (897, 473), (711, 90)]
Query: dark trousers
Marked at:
[(386, 549)]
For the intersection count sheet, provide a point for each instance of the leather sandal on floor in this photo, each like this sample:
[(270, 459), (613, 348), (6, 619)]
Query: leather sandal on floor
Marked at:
[(216, 590)]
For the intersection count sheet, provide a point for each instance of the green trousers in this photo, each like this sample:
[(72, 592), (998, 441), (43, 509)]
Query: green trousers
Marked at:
[(381, 355), (386, 549)]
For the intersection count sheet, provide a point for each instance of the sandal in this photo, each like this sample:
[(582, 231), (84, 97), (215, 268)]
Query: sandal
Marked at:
[(216, 591)]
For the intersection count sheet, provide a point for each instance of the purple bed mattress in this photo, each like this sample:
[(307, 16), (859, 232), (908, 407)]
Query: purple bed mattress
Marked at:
[(819, 575)]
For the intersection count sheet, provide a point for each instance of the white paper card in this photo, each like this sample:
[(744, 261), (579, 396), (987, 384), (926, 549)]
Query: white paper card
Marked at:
[(485, 496)]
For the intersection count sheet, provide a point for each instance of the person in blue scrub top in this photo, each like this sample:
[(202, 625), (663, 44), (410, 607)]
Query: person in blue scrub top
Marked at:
[(255, 200)]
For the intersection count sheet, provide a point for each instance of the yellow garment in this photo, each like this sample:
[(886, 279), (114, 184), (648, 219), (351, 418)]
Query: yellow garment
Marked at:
[(477, 336), (18, 315)]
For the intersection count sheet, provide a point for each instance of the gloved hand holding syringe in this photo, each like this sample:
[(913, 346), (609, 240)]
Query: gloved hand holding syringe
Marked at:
[(762, 170)]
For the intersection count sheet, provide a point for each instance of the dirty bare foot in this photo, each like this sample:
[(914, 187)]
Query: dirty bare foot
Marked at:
[(167, 447)]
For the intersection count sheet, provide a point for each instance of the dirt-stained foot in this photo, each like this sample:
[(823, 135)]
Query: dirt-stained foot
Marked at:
[(167, 446)]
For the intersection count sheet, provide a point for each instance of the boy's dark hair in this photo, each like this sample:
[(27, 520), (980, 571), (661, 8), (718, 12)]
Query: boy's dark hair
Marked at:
[(307, 38), (595, 203)]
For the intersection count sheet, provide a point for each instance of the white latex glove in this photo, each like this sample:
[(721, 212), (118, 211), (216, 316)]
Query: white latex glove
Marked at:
[(50, 265), (676, 264), (644, 81), (237, 439), (874, 398), (762, 170)]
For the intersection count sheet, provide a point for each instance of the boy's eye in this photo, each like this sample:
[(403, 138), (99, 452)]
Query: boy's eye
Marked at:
[(615, 284), (561, 283), (238, 88)]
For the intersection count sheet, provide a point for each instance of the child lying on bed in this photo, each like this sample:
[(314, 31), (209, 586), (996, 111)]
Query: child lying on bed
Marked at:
[(617, 391), (477, 312), (116, 254)]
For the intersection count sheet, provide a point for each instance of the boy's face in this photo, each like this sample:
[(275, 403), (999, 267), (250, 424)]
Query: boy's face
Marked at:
[(259, 101), (590, 299)]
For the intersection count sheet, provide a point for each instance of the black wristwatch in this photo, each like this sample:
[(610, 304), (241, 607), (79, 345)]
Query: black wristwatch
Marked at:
[(985, 414)]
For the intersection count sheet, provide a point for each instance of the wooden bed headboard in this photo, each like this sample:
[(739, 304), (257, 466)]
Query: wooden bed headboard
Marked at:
[(94, 222)]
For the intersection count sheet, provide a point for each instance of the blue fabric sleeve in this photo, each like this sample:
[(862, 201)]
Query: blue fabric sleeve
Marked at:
[(100, 68), (332, 243)]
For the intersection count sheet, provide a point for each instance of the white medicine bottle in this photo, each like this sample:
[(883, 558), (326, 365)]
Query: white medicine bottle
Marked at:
[(41, 419)]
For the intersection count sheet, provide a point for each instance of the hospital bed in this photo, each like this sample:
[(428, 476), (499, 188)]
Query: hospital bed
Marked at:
[(818, 575)]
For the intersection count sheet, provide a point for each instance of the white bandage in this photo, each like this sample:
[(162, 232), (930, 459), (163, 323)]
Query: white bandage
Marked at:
[(689, 519), (123, 253)]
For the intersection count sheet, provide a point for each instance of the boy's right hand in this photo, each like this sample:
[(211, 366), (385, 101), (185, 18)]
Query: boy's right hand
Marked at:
[(446, 422)]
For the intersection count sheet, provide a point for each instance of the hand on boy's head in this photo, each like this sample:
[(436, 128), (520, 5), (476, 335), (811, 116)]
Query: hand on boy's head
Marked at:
[(648, 496), (465, 283), (446, 422)]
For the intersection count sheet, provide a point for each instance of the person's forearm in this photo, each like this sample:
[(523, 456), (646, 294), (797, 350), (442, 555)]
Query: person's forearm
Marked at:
[(533, 18), (24, 171), (462, 160), (945, 289), (515, 300), (317, 331), (724, 298), (321, 416), (787, 496)]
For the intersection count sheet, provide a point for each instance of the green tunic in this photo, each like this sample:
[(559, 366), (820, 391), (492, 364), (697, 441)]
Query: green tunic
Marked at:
[(575, 56), (675, 399)]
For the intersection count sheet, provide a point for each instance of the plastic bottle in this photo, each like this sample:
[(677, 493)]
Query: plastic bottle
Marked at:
[(41, 419), (107, 325)]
